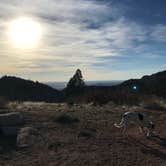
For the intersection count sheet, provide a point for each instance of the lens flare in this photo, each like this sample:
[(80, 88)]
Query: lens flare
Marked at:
[(134, 87)]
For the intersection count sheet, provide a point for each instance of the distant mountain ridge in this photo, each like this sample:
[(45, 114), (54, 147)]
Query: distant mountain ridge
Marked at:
[(14, 88), (149, 84), (62, 85)]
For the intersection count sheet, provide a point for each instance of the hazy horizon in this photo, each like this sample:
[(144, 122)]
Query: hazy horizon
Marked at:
[(62, 85), (84, 77), (48, 40)]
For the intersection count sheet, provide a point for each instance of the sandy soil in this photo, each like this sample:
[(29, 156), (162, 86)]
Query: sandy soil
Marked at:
[(93, 141)]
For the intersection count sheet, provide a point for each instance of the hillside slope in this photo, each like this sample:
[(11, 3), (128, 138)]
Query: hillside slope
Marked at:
[(14, 88), (153, 84)]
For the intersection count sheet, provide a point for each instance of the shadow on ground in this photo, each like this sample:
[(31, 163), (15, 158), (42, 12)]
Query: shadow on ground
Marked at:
[(150, 150), (7, 144)]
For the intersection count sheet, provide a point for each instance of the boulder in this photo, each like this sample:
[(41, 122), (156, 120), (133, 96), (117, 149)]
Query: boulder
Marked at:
[(11, 119), (9, 130), (28, 136)]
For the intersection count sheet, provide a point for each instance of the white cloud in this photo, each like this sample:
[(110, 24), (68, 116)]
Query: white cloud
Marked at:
[(67, 42), (158, 33)]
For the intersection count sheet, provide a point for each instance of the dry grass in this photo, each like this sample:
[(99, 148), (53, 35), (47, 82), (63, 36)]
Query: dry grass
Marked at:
[(154, 103), (93, 141)]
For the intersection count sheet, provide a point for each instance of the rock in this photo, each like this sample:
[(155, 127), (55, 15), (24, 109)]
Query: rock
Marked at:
[(9, 130), (28, 136), (4, 111), (11, 119)]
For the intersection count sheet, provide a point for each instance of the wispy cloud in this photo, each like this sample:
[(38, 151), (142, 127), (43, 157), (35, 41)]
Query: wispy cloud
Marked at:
[(77, 34), (158, 33)]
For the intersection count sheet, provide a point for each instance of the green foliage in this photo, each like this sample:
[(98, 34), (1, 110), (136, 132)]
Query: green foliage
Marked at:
[(75, 85), (76, 81), (103, 95)]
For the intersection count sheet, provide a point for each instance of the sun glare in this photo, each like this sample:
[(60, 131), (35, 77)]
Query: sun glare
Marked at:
[(24, 33)]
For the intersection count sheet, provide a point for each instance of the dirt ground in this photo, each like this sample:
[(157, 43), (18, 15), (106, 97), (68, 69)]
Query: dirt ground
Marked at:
[(91, 141)]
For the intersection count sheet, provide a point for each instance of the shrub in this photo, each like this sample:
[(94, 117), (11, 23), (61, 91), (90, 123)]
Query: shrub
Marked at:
[(70, 102), (155, 106), (100, 100), (66, 119), (55, 145), (87, 133), (153, 102), (13, 105)]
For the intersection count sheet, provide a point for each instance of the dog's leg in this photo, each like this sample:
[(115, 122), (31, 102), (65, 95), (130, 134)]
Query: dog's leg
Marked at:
[(148, 134), (141, 129), (125, 125), (124, 130)]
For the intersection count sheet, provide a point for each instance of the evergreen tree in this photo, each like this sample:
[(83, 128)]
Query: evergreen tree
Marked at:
[(76, 84), (76, 81)]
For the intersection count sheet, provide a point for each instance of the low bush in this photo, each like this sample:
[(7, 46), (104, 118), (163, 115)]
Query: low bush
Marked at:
[(155, 106), (70, 102), (66, 119), (87, 133), (55, 145)]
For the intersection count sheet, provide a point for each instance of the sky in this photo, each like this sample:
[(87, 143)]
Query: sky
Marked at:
[(106, 39)]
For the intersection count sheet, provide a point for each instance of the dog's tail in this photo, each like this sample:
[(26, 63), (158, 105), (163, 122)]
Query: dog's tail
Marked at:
[(120, 125)]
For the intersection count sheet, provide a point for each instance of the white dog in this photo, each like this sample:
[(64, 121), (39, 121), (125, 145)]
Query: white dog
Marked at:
[(141, 119)]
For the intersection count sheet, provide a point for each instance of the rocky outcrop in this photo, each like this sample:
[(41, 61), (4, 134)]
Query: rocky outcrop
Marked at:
[(10, 123), (11, 119), (28, 136), (9, 130)]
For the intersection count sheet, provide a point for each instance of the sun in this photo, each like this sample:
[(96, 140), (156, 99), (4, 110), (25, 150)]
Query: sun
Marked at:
[(24, 32)]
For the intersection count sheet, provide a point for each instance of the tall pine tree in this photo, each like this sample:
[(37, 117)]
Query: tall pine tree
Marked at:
[(77, 80), (76, 84)]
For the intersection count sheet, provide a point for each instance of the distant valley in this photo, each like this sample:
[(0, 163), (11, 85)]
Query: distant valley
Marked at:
[(132, 91), (62, 85)]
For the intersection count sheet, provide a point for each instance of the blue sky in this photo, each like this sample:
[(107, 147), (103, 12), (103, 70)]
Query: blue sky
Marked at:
[(107, 40)]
